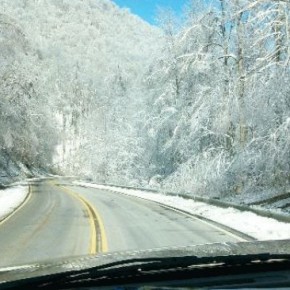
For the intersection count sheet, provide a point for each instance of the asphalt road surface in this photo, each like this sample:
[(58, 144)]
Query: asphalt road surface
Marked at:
[(59, 219)]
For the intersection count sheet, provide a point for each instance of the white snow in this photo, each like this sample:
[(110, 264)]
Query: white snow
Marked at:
[(261, 228), (11, 199)]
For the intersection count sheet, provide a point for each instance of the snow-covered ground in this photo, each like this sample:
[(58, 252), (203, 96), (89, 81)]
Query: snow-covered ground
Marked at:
[(261, 228), (11, 199)]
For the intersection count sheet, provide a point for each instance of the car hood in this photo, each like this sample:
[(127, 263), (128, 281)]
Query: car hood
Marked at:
[(62, 265)]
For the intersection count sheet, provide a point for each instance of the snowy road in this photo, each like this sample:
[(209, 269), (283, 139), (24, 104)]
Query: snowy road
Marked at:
[(61, 219)]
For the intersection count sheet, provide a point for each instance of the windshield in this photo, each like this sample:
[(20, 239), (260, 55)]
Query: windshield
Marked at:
[(137, 125)]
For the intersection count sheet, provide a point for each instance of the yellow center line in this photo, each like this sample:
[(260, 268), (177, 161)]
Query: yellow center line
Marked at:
[(98, 240)]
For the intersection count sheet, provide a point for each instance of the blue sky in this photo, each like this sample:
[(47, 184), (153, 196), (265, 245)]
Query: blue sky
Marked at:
[(146, 9)]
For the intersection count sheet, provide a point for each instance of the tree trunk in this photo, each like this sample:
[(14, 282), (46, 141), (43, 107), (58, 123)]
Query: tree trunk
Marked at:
[(241, 79), (226, 80)]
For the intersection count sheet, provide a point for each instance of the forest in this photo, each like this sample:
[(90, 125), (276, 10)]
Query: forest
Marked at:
[(199, 103)]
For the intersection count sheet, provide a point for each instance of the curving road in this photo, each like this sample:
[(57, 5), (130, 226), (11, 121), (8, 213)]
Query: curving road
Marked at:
[(59, 220)]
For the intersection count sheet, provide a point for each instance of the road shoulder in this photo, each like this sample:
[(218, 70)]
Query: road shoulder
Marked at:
[(251, 224), (11, 200)]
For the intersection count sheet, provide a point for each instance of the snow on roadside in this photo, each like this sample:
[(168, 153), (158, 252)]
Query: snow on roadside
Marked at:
[(261, 228), (11, 198)]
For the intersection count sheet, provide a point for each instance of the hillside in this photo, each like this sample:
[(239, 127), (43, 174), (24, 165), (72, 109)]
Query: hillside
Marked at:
[(74, 56)]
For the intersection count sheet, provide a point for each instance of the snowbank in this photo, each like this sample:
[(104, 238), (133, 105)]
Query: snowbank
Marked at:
[(11, 198), (261, 228)]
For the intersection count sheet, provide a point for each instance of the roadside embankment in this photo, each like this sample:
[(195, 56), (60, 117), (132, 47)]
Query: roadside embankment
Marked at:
[(11, 199)]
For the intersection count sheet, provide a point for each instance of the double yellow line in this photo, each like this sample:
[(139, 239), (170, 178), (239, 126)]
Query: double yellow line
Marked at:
[(98, 239)]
